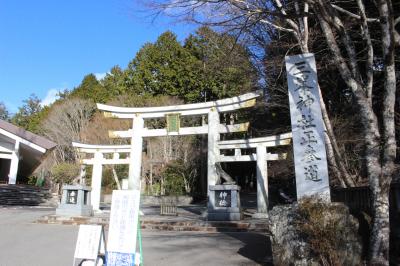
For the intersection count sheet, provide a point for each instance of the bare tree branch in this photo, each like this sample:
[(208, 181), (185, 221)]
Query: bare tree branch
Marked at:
[(305, 23), (344, 11), (276, 26), (289, 21), (341, 62), (330, 15), (370, 53), (397, 20)]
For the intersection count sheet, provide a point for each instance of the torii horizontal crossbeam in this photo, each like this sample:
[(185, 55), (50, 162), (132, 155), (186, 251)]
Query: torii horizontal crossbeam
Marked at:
[(182, 131), (270, 141), (90, 148), (221, 106)]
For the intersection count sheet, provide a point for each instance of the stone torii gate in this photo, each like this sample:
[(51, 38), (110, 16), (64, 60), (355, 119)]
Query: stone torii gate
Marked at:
[(261, 156), (98, 160), (213, 128)]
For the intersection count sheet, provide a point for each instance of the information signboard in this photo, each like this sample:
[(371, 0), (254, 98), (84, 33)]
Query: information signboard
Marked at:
[(122, 234), (90, 243), (173, 122)]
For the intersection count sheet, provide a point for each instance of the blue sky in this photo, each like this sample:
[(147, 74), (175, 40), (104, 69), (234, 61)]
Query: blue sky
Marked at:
[(48, 45)]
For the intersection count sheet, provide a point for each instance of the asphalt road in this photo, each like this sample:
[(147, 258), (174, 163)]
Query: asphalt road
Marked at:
[(23, 243)]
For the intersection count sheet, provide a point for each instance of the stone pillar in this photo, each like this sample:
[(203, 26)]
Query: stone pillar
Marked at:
[(64, 196), (262, 183), (82, 175), (80, 197), (12, 175), (212, 154), (96, 180), (135, 159)]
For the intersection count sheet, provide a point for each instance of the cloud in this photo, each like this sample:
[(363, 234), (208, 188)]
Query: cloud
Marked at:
[(100, 76), (51, 96)]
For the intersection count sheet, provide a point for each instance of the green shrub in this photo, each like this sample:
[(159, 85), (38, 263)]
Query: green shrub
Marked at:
[(65, 173), (153, 190), (174, 183), (107, 182), (32, 180)]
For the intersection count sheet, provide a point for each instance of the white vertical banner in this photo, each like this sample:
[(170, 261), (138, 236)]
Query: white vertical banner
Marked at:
[(122, 234), (307, 127)]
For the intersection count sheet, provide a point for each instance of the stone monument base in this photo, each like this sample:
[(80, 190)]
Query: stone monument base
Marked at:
[(224, 203), (260, 215), (65, 210), (224, 216)]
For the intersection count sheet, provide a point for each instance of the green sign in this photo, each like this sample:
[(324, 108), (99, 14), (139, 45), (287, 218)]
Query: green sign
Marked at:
[(173, 122)]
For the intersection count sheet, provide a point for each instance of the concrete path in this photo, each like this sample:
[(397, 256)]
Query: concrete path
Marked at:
[(189, 248), (23, 243)]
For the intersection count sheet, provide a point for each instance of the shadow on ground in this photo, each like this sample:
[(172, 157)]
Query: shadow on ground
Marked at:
[(257, 247)]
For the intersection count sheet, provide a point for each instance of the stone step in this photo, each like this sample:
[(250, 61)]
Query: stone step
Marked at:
[(56, 219), (23, 195), (199, 223), (197, 228), (160, 225), (207, 226)]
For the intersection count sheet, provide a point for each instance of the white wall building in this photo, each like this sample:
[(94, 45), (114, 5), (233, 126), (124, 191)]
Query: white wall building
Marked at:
[(20, 152)]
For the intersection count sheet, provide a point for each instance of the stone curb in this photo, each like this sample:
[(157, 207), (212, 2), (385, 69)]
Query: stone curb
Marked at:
[(160, 225)]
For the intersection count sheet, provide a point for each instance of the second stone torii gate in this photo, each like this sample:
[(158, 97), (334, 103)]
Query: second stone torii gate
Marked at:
[(213, 128), (98, 160), (261, 156)]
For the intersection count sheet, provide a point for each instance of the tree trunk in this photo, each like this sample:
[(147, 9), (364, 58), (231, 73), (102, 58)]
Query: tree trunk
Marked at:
[(379, 243), (334, 157), (380, 149), (333, 153), (116, 178), (380, 234), (381, 227), (332, 162), (379, 183)]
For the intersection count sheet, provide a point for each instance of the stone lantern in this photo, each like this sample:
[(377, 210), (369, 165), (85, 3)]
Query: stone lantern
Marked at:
[(75, 201)]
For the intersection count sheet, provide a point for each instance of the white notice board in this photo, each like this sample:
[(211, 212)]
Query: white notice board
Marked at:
[(90, 242), (122, 234)]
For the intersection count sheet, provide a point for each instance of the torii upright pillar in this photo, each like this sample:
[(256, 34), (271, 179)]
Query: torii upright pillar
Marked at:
[(135, 162), (213, 152), (96, 180), (262, 182)]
